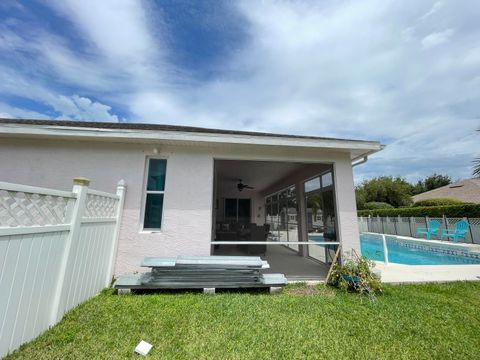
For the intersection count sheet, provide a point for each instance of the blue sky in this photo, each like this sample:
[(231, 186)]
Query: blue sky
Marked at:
[(406, 73)]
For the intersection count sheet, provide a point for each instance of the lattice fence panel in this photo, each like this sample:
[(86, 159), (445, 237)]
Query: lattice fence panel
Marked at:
[(98, 206), (25, 209)]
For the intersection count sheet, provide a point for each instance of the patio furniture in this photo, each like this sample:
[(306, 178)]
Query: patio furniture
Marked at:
[(257, 233), (459, 231), (431, 229)]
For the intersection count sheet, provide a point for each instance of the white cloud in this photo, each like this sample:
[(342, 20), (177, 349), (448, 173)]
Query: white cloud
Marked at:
[(7, 111), (120, 30), (82, 108), (437, 38), (69, 107), (434, 9), (345, 69)]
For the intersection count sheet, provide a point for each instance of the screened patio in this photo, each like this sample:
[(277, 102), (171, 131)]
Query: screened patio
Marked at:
[(281, 211)]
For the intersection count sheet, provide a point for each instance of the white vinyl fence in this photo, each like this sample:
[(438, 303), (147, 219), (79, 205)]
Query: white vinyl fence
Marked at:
[(407, 226), (57, 249)]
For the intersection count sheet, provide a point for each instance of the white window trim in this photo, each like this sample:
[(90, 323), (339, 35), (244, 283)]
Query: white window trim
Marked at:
[(145, 192)]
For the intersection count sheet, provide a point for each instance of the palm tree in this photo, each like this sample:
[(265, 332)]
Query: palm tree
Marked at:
[(476, 166)]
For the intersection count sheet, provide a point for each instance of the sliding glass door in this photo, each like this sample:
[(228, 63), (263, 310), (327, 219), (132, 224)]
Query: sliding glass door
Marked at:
[(320, 215), (281, 215), (237, 211)]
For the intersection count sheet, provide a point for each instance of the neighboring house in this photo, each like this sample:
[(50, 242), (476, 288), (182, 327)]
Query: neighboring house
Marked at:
[(182, 181), (465, 190)]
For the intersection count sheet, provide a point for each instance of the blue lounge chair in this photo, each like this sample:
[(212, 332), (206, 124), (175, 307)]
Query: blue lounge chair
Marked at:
[(431, 229), (459, 231)]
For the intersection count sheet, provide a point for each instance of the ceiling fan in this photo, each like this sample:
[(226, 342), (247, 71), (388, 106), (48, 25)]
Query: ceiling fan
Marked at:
[(241, 186)]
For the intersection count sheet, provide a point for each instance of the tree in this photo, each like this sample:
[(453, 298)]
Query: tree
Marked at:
[(476, 166), (394, 191), (360, 197), (431, 182)]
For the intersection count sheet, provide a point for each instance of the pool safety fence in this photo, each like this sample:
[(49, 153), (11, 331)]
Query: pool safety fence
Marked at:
[(407, 226)]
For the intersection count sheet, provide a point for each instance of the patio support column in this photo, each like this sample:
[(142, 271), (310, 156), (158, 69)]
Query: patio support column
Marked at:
[(302, 217), (347, 222)]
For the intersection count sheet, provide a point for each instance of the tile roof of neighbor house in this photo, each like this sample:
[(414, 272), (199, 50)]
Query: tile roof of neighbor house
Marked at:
[(466, 190), (159, 127)]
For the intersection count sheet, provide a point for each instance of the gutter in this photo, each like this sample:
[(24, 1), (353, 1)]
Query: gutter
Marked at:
[(363, 161), (364, 158)]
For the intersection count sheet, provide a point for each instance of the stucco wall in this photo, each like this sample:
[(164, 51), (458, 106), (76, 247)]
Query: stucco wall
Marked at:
[(187, 220), (188, 196)]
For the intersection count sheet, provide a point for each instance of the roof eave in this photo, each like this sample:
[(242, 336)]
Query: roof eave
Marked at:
[(129, 135)]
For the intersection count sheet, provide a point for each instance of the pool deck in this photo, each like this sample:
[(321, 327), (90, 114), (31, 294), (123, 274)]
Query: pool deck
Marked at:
[(401, 273)]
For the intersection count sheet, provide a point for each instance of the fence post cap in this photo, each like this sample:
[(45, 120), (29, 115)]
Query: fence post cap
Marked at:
[(121, 183), (82, 181)]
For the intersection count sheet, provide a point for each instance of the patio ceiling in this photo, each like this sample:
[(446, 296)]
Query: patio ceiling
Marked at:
[(259, 174)]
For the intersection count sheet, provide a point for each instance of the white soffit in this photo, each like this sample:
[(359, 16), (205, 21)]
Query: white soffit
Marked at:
[(356, 147)]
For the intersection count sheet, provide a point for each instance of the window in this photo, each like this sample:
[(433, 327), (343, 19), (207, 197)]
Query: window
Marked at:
[(313, 184), (237, 210), (154, 193), (327, 180)]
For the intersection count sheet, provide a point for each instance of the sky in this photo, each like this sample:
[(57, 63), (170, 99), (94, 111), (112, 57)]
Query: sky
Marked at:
[(406, 73)]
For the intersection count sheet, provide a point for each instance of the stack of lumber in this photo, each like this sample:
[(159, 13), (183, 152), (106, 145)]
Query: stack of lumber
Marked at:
[(183, 272)]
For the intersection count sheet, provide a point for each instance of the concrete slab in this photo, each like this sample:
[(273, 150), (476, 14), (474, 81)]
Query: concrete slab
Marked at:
[(401, 274), (286, 261)]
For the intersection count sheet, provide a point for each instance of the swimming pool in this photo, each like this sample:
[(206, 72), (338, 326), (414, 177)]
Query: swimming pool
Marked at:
[(412, 252)]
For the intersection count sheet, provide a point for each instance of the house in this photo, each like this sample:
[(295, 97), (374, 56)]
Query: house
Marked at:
[(465, 190), (186, 185)]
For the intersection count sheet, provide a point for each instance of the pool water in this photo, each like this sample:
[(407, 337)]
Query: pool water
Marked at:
[(412, 253)]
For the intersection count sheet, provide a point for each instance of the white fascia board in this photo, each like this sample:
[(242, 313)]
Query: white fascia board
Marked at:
[(127, 135)]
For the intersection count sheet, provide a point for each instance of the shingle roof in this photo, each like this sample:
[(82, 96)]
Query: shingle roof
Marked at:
[(466, 190), (158, 127)]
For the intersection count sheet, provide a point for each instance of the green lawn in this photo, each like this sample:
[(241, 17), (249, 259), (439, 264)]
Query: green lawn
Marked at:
[(439, 321)]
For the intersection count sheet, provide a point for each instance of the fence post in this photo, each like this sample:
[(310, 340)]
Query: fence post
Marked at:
[(121, 189), (411, 223), (398, 222), (385, 250), (80, 188)]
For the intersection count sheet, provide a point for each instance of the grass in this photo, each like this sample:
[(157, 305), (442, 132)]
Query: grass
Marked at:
[(408, 322)]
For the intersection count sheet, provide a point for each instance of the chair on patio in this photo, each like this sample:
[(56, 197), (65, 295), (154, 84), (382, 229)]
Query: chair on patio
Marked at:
[(257, 233), (459, 231), (431, 229)]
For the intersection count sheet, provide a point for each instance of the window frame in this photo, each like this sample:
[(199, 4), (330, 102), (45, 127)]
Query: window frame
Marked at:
[(146, 192)]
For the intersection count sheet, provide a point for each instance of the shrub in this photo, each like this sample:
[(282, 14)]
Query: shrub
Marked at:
[(464, 210), (372, 205), (360, 268), (437, 202)]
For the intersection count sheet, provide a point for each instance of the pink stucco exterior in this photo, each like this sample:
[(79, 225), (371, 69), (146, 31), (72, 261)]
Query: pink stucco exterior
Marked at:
[(187, 219)]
